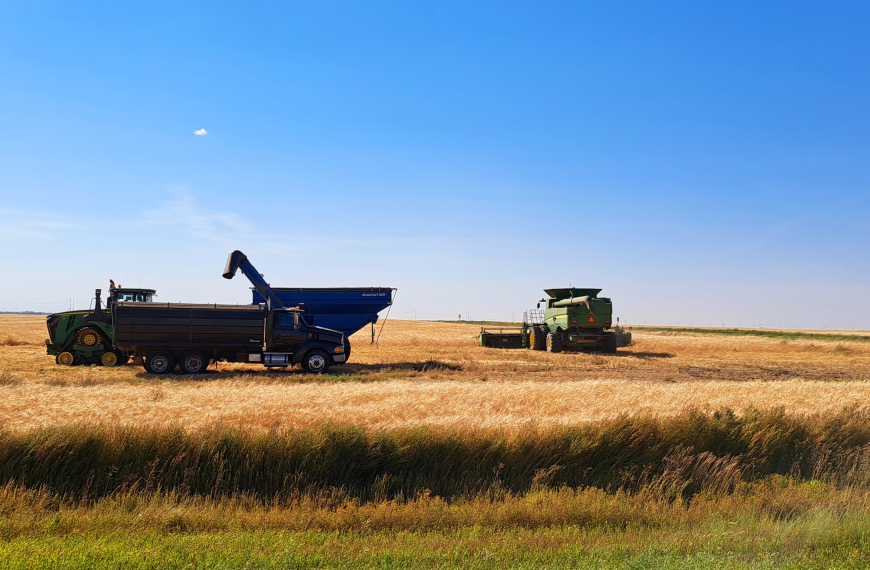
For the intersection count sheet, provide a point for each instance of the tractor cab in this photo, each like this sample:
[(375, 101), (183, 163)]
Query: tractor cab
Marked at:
[(131, 295)]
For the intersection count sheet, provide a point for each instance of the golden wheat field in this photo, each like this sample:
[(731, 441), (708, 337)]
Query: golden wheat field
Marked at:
[(435, 374)]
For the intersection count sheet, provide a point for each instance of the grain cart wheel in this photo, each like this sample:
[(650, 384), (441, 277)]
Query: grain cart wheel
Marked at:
[(88, 337), (346, 351), (537, 338), (109, 359), (160, 362), (610, 342), (555, 342), (316, 361), (65, 359), (194, 363)]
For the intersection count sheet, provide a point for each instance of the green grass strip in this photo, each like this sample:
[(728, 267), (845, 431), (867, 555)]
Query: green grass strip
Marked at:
[(787, 335)]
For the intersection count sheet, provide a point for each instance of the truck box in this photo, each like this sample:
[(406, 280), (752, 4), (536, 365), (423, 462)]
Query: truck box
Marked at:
[(181, 325)]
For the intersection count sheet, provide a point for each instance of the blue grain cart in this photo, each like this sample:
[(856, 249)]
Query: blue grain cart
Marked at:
[(345, 309)]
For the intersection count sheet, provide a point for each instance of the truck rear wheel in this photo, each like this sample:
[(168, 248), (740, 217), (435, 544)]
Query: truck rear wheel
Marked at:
[(194, 363), (316, 362), (555, 342), (160, 362), (538, 338)]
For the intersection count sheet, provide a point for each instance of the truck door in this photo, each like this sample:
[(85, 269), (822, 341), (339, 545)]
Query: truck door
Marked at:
[(289, 333)]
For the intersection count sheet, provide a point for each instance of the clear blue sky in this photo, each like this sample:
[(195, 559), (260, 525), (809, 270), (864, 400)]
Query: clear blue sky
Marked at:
[(702, 162)]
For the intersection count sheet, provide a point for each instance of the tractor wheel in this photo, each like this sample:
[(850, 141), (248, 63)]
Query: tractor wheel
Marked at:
[(160, 362), (555, 342), (610, 343), (109, 359), (65, 359), (88, 337), (316, 362), (538, 338), (194, 363)]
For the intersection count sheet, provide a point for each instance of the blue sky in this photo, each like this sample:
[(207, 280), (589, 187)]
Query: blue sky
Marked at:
[(702, 163)]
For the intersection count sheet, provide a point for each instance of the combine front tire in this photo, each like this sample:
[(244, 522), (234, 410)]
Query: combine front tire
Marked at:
[(610, 343), (316, 362), (160, 362), (194, 363), (538, 338), (555, 342), (65, 359)]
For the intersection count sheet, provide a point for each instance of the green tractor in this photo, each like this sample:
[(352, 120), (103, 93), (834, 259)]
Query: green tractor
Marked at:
[(86, 337), (575, 319)]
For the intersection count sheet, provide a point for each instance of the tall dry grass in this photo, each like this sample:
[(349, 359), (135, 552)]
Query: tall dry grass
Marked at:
[(672, 458)]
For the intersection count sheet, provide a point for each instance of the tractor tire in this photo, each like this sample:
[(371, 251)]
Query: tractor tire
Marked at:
[(193, 363), (538, 338), (88, 337), (109, 359), (316, 361), (160, 362), (65, 359), (610, 343), (555, 342)]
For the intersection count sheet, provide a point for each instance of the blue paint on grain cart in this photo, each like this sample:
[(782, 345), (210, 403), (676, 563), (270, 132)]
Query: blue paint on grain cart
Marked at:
[(345, 309)]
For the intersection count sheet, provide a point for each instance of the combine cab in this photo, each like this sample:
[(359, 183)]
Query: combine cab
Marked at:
[(86, 337)]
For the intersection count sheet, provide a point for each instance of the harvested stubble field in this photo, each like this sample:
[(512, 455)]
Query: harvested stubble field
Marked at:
[(435, 374), (529, 459)]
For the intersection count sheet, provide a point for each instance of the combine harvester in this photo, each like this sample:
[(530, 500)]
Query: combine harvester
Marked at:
[(572, 319)]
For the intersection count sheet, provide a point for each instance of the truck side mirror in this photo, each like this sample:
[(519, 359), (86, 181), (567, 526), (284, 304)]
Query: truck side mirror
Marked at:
[(539, 306)]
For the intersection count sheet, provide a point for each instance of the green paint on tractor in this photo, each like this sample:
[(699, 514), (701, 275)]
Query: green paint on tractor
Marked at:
[(87, 337)]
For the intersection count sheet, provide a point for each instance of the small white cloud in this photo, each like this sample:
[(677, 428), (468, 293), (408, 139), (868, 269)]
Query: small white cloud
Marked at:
[(201, 132)]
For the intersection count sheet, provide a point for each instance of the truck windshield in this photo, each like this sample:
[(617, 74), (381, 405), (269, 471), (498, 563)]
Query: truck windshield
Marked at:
[(288, 320)]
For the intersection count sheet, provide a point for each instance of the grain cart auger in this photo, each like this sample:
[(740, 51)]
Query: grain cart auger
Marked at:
[(238, 260), (571, 319)]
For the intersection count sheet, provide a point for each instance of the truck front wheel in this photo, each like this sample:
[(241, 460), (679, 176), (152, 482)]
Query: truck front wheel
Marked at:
[(316, 362), (160, 362)]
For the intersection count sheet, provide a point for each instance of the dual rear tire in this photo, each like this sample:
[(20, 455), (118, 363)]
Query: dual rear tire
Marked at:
[(163, 362)]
